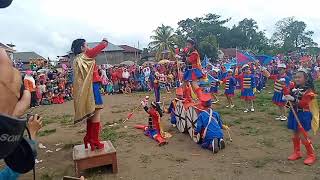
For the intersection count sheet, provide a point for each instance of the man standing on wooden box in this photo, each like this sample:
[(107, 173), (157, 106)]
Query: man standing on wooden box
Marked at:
[(87, 98)]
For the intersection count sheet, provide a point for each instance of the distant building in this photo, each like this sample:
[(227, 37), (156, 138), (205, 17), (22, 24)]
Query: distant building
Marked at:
[(28, 58), (229, 53), (8, 49), (131, 53), (114, 54)]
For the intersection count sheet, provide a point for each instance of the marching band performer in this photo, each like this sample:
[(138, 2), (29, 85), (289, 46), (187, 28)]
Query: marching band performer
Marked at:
[(214, 85), (281, 80), (248, 87), (209, 124), (153, 129), (304, 102), (230, 85), (87, 98), (173, 104), (193, 71)]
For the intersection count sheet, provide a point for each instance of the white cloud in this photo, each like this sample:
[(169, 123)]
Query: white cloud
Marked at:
[(49, 26)]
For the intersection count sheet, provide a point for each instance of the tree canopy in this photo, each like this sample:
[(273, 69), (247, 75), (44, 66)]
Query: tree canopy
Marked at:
[(212, 33)]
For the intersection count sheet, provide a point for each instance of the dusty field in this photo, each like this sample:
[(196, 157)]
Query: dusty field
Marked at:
[(259, 149)]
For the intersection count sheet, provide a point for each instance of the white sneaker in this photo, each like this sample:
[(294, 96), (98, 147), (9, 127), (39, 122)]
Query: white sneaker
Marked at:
[(173, 125), (283, 118), (232, 106), (246, 110), (278, 118), (227, 106), (252, 109)]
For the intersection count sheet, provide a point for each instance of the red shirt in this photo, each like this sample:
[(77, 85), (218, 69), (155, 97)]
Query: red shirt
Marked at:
[(92, 53)]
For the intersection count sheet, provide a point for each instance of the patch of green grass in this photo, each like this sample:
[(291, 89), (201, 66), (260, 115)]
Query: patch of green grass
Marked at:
[(46, 132), (145, 158), (268, 142), (273, 113), (48, 120), (47, 176), (118, 111), (109, 133), (250, 131), (66, 119), (260, 163), (71, 145)]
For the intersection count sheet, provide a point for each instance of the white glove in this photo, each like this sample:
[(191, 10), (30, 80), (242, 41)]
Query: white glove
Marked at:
[(143, 103), (177, 56), (282, 79), (288, 98)]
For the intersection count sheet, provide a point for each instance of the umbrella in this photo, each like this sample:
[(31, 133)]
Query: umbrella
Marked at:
[(127, 63), (164, 61)]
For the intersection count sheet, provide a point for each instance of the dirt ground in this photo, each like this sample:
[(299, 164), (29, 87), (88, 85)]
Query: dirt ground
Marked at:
[(259, 149)]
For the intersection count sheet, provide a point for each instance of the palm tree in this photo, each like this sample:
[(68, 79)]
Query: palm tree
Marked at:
[(162, 40)]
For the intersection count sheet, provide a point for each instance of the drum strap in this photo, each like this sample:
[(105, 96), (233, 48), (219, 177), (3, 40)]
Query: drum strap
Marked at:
[(209, 121)]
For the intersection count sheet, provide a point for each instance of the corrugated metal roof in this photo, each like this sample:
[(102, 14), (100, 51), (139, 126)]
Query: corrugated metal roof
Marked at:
[(110, 47), (129, 49), (26, 56), (6, 47)]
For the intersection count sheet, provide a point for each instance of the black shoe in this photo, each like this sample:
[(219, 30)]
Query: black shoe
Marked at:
[(222, 144), (215, 145)]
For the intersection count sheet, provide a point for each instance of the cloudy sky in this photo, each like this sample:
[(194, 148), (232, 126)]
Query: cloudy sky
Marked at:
[(49, 26)]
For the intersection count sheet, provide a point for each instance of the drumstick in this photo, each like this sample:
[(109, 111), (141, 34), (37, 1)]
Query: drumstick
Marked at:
[(228, 132)]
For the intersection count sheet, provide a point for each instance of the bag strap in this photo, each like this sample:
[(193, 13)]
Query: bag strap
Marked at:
[(209, 121)]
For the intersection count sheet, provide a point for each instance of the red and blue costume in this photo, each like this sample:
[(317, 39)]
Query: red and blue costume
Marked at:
[(92, 53), (214, 85), (230, 84), (193, 69), (153, 129), (303, 98), (280, 82), (248, 84), (304, 106)]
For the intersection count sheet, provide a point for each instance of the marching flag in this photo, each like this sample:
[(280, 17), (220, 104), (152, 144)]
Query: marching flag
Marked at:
[(264, 59), (244, 57), (205, 62)]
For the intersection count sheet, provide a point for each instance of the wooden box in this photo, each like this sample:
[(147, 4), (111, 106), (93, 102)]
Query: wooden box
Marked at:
[(86, 159)]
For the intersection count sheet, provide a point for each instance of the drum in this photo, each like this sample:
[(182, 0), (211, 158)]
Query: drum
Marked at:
[(180, 113), (191, 119)]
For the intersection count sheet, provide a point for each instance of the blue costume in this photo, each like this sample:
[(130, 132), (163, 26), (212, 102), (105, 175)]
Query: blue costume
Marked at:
[(230, 86), (211, 131), (171, 110), (280, 81), (248, 84), (214, 85)]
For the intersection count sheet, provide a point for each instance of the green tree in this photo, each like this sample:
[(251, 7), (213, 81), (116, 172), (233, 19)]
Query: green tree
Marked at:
[(208, 47), (162, 40), (291, 35)]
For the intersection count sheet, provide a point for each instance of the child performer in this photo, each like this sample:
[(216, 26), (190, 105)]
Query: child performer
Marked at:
[(87, 98), (281, 80), (214, 86), (210, 124), (172, 107), (193, 70), (230, 85), (155, 84), (248, 87), (304, 102), (153, 129)]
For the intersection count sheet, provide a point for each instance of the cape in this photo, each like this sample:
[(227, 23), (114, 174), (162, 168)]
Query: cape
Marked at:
[(84, 104)]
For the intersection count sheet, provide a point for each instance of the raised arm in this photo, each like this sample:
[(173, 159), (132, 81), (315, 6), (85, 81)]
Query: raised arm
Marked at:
[(93, 52)]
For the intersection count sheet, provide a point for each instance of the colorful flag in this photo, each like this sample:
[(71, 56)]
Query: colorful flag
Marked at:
[(244, 57), (264, 59)]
